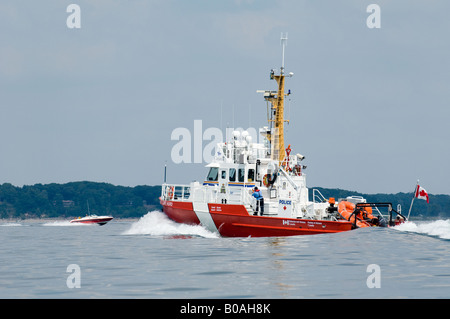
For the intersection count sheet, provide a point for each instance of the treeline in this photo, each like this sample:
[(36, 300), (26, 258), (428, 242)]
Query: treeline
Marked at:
[(72, 199), (438, 206)]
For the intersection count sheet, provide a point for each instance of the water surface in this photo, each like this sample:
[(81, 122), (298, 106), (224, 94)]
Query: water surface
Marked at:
[(155, 258)]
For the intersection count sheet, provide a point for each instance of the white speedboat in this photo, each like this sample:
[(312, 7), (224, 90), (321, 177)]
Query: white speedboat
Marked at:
[(92, 219)]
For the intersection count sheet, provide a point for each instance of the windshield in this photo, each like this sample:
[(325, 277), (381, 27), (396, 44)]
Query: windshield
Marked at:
[(213, 174), (232, 174)]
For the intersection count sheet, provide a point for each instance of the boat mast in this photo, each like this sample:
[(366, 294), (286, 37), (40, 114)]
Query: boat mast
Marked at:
[(276, 136)]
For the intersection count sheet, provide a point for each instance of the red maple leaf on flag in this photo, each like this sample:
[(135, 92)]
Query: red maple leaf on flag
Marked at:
[(422, 193)]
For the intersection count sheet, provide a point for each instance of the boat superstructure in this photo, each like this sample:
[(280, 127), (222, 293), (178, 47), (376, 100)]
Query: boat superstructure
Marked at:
[(224, 201)]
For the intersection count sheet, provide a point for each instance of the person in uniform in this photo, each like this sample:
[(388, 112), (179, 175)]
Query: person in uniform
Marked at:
[(259, 201)]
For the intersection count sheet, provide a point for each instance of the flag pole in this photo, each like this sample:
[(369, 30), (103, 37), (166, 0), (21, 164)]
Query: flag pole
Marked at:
[(412, 201)]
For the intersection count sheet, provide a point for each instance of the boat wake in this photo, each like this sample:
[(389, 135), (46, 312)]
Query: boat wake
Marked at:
[(11, 224), (61, 223), (158, 224), (439, 228)]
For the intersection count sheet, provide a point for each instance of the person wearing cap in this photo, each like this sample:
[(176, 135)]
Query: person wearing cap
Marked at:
[(259, 201)]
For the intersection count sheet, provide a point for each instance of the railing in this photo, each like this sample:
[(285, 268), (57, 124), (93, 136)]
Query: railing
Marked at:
[(248, 199), (199, 193), (320, 197), (175, 192), (391, 211)]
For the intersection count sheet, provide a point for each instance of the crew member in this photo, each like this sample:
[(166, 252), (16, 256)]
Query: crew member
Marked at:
[(399, 221), (259, 201)]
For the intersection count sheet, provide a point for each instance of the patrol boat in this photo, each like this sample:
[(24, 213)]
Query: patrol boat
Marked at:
[(224, 204)]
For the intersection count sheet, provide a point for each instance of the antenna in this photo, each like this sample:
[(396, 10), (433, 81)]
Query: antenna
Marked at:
[(221, 115), (283, 42), (234, 126), (165, 172)]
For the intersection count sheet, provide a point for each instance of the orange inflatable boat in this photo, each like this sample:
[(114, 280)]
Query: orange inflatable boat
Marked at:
[(363, 215)]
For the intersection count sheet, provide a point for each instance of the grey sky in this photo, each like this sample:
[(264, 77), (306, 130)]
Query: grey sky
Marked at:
[(369, 109)]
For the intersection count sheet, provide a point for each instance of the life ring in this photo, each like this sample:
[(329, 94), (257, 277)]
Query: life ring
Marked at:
[(170, 192), (266, 180)]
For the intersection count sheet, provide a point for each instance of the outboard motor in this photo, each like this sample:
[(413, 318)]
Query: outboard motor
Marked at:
[(382, 222)]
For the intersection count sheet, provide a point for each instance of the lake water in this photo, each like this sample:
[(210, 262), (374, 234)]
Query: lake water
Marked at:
[(154, 257)]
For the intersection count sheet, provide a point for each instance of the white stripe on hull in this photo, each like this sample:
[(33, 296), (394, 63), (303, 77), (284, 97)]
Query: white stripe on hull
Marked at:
[(202, 212)]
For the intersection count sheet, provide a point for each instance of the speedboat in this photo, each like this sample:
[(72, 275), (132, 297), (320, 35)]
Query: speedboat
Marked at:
[(92, 219)]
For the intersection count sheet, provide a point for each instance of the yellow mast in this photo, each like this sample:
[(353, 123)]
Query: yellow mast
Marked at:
[(276, 136), (278, 106)]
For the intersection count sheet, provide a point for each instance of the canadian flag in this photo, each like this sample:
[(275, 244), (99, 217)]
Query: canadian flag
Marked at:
[(421, 193)]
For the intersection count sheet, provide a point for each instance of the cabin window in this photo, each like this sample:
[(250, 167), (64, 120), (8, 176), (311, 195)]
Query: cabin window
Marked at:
[(232, 174), (241, 174), (213, 174), (251, 175), (224, 174)]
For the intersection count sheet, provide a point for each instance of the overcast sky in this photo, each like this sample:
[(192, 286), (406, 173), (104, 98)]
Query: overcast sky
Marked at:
[(369, 109)]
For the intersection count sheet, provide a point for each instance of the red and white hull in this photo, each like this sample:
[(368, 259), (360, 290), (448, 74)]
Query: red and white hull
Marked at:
[(234, 221), (100, 220)]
